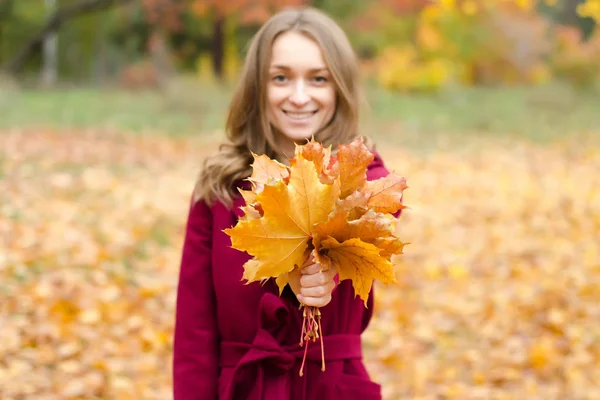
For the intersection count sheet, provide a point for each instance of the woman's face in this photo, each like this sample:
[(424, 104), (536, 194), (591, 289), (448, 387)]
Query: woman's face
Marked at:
[(301, 95)]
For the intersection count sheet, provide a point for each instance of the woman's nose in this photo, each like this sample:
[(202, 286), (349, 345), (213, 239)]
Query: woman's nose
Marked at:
[(300, 96)]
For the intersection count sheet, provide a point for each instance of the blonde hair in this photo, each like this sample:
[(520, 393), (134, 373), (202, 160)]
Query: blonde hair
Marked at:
[(248, 129)]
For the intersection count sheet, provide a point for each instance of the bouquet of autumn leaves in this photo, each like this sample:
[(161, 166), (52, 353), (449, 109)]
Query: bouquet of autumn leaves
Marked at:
[(321, 205)]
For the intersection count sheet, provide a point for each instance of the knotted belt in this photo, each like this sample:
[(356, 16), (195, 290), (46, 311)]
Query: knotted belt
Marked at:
[(250, 360)]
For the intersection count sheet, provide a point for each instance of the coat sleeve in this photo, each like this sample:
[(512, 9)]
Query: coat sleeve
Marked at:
[(195, 344)]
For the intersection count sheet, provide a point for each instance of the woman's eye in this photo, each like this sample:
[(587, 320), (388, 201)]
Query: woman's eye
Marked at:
[(279, 78), (320, 79)]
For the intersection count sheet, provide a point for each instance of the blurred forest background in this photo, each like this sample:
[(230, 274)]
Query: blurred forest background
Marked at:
[(184, 55), (490, 108)]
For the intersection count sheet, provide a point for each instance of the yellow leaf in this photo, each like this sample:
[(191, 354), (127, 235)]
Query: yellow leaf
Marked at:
[(371, 227), (457, 271), (248, 195), (353, 159), (266, 171), (313, 201), (283, 280), (251, 212), (542, 352), (356, 204), (64, 310), (321, 157), (292, 278), (478, 377), (385, 194), (389, 246), (278, 239), (334, 226), (360, 262)]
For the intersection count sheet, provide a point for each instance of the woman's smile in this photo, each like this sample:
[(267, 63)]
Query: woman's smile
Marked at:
[(301, 95), (296, 116)]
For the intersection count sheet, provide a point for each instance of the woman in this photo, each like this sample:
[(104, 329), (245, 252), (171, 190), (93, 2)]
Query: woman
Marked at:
[(241, 341)]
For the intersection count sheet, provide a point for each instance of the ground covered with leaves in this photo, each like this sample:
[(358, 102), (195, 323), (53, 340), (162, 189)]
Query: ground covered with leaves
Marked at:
[(499, 293)]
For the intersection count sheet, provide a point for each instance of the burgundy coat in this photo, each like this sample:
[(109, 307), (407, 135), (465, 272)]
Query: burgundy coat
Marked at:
[(237, 341)]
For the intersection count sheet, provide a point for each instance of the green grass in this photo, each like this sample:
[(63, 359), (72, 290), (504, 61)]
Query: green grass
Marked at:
[(188, 107), (524, 111)]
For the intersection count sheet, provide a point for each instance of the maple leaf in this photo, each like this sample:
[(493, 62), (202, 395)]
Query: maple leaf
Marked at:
[(251, 212), (360, 262), (252, 209), (319, 197), (321, 157), (371, 227), (383, 195), (266, 171), (349, 163), (353, 159), (279, 238), (248, 195)]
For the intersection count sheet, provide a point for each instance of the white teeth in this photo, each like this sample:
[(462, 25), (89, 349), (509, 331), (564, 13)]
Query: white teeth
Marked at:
[(295, 115)]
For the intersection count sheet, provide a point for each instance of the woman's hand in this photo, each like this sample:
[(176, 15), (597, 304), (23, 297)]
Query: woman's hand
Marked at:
[(313, 286)]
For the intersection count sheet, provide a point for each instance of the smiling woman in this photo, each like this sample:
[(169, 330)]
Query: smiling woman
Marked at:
[(240, 341), (300, 92), (280, 74)]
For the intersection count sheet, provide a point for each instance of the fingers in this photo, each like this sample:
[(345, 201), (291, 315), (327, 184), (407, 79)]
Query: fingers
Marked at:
[(316, 278), (318, 291), (316, 284), (314, 301), (313, 268)]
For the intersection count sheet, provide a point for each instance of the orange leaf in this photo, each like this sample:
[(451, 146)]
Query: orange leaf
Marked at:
[(266, 172), (353, 160), (360, 262), (248, 195), (279, 238), (251, 212), (383, 195), (371, 227), (321, 157), (389, 246)]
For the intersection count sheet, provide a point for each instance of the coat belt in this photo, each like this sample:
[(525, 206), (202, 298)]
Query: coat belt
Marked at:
[(250, 360)]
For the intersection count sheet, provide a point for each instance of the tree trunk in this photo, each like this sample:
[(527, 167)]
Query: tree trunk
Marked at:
[(6, 8), (160, 56), (53, 23), (569, 13), (218, 47), (50, 45)]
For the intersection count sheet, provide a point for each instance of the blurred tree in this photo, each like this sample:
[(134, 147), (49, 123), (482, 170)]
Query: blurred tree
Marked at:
[(380, 23), (212, 25), (50, 50), (52, 24), (569, 12), (340, 10), (231, 14), (6, 11), (588, 13)]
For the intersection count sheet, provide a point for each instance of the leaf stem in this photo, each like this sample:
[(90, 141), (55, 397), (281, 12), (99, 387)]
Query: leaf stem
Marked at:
[(322, 345), (311, 329)]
